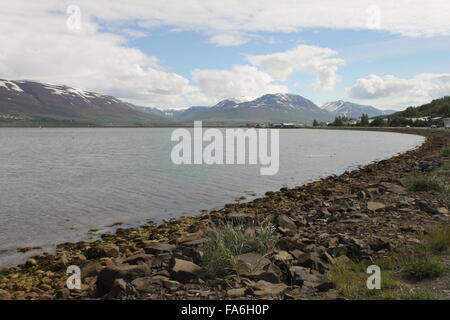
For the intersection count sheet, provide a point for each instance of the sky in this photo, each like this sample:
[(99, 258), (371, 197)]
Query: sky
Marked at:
[(178, 53)]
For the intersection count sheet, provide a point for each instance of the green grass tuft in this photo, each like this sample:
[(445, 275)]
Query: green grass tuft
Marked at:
[(424, 268), (223, 243), (446, 152), (425, 183)]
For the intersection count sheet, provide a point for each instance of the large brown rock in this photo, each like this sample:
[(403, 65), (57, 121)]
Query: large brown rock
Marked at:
[(285, 222), (108, 275), (184, 271), (109, 251), (264, 288), (159, 247), (374, 206)]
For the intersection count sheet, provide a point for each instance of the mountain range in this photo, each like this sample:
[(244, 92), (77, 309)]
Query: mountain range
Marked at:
[(43, 102), (37, 101)]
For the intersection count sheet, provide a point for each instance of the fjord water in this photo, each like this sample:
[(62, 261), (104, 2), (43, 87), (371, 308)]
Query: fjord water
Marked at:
[(58, 184)]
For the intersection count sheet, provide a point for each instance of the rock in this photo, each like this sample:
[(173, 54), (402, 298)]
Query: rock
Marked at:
[(121, 290), (285, 222), (149, 284), (240, 292), (45, 287), (189, 237), (250, 262), (91, 269), (139, 258), (108, 275), (144, 284), (264, 288), (5, 295), (31, 262), (342, 260), (312, 260), (289, 244), (283, 256), (426, 207), (391, 187), (302, 274), (4, 270), (379, 243), (184, 271), (108, 251), (63, 294), (268, 276), (441, 210), (158, 247), (374, 206), (319, 286)]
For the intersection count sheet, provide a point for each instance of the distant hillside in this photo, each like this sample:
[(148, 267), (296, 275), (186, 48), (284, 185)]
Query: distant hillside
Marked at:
[(436, 108), (347, 109), (36, 101), (273, 108)]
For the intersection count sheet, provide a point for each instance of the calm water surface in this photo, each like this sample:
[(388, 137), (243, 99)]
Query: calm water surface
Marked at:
[(57, 184)]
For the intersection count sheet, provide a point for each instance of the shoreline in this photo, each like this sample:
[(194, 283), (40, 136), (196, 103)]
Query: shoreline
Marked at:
[(22, 253), (46, 273)]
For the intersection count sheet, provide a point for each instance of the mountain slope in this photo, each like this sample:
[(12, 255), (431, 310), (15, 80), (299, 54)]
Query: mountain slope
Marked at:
[(36, 99), (268, 108), (352, 110)]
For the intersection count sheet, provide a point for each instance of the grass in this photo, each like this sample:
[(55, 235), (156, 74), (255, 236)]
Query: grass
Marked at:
[(223, 243), (415, 263), (446, 166), (424, 268), (446, 152), (425, 183)]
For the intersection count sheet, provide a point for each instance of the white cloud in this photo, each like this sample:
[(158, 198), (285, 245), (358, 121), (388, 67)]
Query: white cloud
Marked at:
[(38, 45), (303, 58), (242, 80), (228, 39), (394, 91), (405, 17)]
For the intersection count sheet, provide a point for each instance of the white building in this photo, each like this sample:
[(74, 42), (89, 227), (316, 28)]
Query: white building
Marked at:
[(446, 122)]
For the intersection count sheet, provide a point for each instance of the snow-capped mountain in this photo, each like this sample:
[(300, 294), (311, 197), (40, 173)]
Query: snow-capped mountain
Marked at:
[(352, 110), (62, 103), (278, 107)]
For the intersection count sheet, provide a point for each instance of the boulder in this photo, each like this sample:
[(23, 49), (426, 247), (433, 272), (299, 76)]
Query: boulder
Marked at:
[(108, 251), (139, 258), (285, 222), (268, 276), (159, 247), (121, 290), (264, 288), (184, 271), (108, 275), (91, 269), (374, 206)]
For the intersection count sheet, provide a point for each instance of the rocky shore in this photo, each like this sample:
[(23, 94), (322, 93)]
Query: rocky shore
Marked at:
[(359, 215)]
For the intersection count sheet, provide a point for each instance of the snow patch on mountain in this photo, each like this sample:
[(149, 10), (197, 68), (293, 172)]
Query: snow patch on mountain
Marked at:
[(9, 85)]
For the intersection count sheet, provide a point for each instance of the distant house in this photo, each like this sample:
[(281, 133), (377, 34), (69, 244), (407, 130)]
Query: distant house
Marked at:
[(351, 122), (287, 125), (446, 122)]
